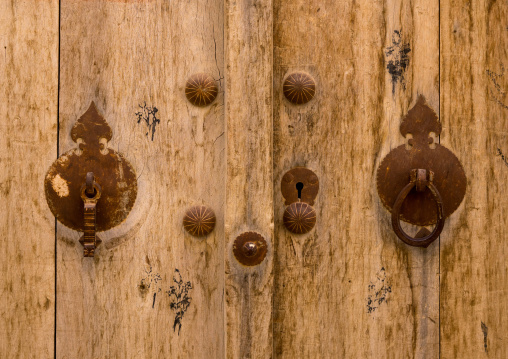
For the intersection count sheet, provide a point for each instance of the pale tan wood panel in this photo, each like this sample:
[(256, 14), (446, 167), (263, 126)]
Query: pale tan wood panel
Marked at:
[(28, 111), (350, 288), (474, 108), (249, 201), (123, 54)]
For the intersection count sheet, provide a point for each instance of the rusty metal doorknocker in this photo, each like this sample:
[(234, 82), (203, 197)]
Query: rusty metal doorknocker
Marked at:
[(77, 179), (421, 185)]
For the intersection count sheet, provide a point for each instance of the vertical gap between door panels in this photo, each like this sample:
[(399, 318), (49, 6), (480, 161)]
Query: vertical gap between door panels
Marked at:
[(439, 141), (57, 155), (274, 209)]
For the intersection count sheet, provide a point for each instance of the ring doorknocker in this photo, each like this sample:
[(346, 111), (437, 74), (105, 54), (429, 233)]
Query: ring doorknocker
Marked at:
[(420, 182), (437, 182)]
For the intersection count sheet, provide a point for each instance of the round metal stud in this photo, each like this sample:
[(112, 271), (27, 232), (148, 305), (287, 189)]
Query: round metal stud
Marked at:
[(201, 89), (299, 88), (250, 248), (299, 217), (199, 221)]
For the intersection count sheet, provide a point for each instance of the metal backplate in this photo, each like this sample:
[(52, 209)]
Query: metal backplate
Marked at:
[(307, 178), (112, 172), (393, 174)]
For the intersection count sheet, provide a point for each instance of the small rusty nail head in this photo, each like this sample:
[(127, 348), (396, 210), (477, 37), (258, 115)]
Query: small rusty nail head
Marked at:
[(250, 248)]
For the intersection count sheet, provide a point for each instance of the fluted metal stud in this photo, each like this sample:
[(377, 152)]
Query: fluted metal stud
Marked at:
[(299, 217), (299, 88), (199, 221), (201, 89)]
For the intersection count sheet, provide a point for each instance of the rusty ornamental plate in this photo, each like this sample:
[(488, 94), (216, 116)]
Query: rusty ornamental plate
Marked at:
[(112, 172), (299, 184), (393, 174)]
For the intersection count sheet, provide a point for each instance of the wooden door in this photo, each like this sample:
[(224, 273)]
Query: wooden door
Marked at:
[(347, 289)]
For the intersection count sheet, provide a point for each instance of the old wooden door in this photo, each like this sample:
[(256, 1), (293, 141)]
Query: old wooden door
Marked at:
[(347, 289)]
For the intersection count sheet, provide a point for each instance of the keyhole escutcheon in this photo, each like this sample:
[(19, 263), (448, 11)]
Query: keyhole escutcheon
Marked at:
[(299, 187)]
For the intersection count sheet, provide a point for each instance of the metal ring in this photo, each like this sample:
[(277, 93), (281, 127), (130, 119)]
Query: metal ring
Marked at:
[(424, 241), (97, 191), (90, 179)]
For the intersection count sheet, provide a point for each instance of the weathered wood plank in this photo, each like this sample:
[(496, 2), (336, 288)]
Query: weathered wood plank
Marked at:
[(123, 55), (350, 288), (28, 111), (249, 199), (474, 108)]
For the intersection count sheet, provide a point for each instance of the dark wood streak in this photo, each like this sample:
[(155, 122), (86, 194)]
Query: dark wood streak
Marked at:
[(485, 331), (148, 115), (379, 291), (151, 282), (503, 157), (398, 59), (180, 299), (496, 91)]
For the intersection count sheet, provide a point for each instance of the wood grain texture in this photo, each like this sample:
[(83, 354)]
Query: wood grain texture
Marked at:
[(474, 85), (28, 111), (350, 288), (133, 57), (249, 199)]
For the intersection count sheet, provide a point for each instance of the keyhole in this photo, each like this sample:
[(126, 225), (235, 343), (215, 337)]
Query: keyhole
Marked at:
[(299, 187)]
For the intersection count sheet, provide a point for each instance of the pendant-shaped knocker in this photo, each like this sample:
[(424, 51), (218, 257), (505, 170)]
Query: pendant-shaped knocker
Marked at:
[(422, 184), (91, 188)]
